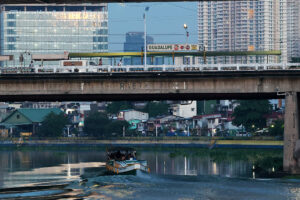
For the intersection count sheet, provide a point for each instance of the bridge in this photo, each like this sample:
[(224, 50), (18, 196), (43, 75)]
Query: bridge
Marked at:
[(254, 84)]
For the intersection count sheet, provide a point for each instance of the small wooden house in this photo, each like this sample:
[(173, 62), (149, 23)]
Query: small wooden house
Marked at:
[(26, 120)]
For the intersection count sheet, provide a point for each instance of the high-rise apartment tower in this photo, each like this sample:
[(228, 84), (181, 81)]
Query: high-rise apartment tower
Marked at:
[(243, 26)]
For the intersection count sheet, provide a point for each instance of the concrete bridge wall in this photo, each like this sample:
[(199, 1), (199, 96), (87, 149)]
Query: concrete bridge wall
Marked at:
[(216, 85)]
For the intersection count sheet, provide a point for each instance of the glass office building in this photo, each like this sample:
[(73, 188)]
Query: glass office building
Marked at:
[(52, 29)]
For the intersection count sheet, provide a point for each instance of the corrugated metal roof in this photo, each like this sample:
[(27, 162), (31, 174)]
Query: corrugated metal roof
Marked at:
[(37, 115), (34, 115)]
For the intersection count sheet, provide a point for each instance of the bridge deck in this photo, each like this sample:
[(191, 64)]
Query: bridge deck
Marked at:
[(148, 86)]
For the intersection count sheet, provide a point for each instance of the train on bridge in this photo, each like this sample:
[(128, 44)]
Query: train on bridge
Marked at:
[(88, 66)]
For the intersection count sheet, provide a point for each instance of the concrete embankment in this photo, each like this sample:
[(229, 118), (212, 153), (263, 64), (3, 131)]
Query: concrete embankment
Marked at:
[(150, 143)]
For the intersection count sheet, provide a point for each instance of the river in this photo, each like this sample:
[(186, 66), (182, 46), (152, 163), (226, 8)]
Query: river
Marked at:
[(183, 173)]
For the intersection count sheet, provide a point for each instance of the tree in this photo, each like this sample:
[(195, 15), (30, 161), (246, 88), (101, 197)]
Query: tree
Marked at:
[(116, 127), (116, 106), (53, 125), (251, 114), (156, 108), (95, 124), (277, 128)]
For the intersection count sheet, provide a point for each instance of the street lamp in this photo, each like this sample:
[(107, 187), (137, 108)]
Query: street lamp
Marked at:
[(187, 40), (145, 38), (187, 33)]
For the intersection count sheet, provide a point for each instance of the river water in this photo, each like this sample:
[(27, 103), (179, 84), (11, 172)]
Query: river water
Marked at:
[(181, 174)]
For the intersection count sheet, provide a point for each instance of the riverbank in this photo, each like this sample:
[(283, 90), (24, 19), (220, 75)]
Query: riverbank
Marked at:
[(205, 143)]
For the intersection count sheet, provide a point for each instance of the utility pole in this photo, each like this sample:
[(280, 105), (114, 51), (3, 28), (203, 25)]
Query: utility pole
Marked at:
[(145, 38)]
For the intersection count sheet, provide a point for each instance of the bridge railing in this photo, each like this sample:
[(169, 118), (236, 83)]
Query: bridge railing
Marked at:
[(150, 68)]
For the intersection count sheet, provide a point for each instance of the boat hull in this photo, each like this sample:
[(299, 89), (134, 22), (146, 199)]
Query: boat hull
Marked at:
[(121, 167)]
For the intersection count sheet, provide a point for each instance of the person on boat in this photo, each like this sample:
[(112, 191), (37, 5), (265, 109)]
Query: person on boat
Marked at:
[(128, 156), (118, 155), (123, 158), (110, 156)]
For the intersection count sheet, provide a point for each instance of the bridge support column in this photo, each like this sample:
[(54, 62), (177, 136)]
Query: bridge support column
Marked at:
[(291, 156)]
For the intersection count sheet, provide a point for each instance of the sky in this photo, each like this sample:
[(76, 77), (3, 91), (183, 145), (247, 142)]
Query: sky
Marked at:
[(164, 22)]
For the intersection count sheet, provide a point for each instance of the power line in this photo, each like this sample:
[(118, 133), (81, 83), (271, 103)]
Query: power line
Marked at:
[(190, 9)]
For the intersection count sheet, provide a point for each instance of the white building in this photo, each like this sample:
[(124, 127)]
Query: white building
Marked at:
[(293, 28), (207, 121), (243, 26), (132, 114), (186, 110)]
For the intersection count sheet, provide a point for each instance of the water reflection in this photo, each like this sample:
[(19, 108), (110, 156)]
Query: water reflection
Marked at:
[(175, 174), (163, 163), (31, 167), (19, 167)]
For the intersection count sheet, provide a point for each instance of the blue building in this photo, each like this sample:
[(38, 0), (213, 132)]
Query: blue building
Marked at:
[(135, 43)]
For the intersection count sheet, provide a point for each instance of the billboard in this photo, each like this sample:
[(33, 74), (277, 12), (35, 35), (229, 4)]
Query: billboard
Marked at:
[(45, 57), (6, 58), (173, 47)]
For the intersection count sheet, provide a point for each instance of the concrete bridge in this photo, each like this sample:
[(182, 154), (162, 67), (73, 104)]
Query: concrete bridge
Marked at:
[(166, 85)]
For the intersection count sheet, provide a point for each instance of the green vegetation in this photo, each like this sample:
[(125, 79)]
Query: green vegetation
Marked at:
[(116, 127), (251, 114), (206, 107), (277, 128), (95, 124), (53, 125), (116, 106), (98, 125), (156, 108)]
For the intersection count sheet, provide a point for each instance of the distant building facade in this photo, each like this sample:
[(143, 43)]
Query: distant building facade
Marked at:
[(135, 43), (47, 29), (131, 114), (185, 110), (293, 29), (243, 26)]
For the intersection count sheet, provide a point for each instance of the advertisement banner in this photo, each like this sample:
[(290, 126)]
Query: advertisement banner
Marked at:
[(173, 47)]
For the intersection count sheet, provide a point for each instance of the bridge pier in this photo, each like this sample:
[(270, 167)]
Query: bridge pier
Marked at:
[(291, 152)]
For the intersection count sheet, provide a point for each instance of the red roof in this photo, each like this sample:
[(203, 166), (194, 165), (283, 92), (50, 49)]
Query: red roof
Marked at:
[(274, 115)]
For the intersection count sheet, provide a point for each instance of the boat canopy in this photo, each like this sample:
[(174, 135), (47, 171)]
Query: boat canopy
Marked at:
[(121, 149)]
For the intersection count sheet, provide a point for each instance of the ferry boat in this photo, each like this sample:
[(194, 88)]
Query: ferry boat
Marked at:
[(122, 160)]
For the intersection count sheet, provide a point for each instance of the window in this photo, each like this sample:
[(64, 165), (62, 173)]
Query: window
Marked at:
[(14, 8), (11, 39), (95, 8), (11, 24), (55, 8), (11, 16), (104, 24), (11, 32), (74, 8), (100, 46), (11, 47), (18, 116), (35, 8)]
